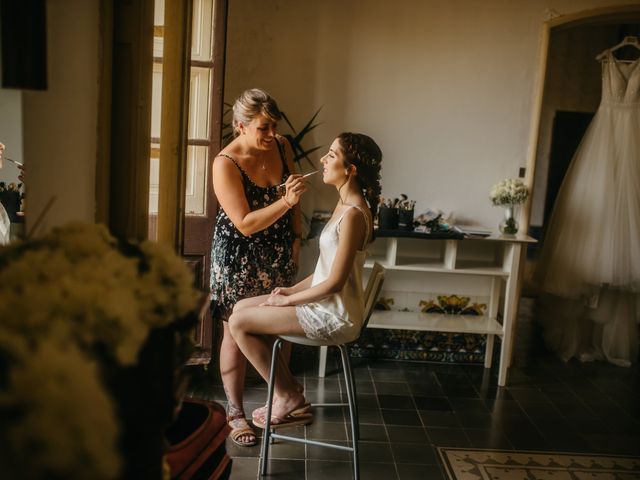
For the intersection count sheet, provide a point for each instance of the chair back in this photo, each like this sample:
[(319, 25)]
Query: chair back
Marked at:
[(372, 291)]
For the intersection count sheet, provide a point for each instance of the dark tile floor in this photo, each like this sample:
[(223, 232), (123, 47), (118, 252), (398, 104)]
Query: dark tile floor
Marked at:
[(408, 409)]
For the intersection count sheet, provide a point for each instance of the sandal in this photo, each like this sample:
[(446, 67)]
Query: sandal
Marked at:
[(291, 419), (260, 412), (240, 428)]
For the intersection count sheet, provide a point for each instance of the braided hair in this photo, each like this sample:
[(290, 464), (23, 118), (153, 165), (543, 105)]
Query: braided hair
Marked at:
[(363, 152)]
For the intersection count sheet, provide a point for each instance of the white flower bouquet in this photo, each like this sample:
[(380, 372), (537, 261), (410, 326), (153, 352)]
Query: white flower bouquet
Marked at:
[(93, 333), (509, 192)]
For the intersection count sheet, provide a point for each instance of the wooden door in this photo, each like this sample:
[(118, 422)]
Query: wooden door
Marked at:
[(186, 135), (204, 142)]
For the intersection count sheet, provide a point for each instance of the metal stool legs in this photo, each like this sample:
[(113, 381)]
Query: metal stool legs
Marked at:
[(271, 387), (353, 407), (269, 433)]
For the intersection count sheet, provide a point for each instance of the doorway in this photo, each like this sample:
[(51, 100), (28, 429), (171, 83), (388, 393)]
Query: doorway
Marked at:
[(186, 125), (571, 95), (566, 134)]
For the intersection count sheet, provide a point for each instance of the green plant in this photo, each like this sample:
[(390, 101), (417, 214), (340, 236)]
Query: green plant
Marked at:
[(299, 153)]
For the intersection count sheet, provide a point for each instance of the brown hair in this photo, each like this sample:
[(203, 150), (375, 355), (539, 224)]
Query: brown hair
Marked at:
[(363, 152)]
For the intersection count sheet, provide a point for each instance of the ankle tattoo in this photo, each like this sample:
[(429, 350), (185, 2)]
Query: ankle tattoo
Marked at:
[(233, 409)]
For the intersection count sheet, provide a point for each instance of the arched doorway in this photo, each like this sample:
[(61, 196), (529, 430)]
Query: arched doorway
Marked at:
[(567, 95)]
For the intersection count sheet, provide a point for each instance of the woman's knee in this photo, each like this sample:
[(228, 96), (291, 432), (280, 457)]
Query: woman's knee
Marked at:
[(241, 304), (237, 322), (227, 337)]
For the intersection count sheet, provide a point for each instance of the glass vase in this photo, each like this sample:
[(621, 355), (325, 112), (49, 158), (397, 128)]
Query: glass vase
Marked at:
[(509, 225)]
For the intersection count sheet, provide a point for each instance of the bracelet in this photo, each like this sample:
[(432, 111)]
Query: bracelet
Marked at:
[(286, 203)]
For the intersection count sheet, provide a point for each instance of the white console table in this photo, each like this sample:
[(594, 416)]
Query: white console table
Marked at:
[(417, 263)]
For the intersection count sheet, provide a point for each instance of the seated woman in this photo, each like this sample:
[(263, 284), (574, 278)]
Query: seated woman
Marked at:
[(329, 304)]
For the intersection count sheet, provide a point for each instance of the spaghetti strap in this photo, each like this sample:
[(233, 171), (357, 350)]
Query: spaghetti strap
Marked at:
[(285, 168), (366, 223), (242, 172), (230, 158)]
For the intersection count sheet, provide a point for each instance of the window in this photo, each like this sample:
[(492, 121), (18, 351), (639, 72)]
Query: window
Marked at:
[(201, 137)]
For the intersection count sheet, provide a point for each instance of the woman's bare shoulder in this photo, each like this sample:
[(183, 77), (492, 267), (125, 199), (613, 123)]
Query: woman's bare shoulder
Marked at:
[(225, 163), (230, 150), (356, 214)]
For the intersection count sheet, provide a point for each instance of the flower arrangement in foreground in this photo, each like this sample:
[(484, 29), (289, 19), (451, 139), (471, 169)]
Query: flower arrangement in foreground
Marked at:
[(508, 193), (93, 333)]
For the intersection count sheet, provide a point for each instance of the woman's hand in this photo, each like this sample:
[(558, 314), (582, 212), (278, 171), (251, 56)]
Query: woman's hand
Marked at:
[(295, 186), (282, 291), (275, 300)]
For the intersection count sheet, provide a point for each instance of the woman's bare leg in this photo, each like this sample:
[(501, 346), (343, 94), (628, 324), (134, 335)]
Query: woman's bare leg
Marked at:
[(285, 349), (249, 327), (233, 367)]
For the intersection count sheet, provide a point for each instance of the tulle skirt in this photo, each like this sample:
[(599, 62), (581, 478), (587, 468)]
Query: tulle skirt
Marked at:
[(589, 267), (593, 237), (606, 330)]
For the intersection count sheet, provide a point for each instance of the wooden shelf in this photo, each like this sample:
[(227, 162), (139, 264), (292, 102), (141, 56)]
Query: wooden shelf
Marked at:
[(436, 266), (496, 257), (434, 322), (472, 266)]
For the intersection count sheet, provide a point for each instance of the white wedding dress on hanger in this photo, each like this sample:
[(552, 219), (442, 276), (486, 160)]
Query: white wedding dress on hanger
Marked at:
[(590, 261)]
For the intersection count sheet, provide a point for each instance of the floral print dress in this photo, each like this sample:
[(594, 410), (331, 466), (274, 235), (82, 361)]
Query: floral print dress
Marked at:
[(243, 266)]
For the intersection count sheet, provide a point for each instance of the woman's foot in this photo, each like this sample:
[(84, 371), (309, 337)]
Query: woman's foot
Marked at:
[(286, 411), (260, 412), (241, 433)]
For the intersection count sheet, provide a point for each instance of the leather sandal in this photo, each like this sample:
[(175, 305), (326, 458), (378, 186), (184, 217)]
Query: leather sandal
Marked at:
[(242, 430), (288, 420), (260, 412)]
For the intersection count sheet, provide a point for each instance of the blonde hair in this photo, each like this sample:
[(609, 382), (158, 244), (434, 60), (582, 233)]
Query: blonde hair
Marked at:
[(252, 103)]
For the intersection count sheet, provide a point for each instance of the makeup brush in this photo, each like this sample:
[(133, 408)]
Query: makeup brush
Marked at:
[(303, 176), (13, 161)]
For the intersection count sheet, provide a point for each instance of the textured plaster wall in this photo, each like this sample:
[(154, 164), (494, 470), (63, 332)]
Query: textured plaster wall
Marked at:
[(446, 87), (60, 124)]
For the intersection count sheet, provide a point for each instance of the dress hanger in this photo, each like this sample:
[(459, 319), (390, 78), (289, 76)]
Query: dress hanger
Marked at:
[(628, 40)]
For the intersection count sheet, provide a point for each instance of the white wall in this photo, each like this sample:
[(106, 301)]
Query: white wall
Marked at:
[(60, 124), (11, 132), (445, 87)]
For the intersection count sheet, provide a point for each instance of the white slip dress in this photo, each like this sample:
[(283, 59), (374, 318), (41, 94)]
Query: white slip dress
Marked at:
[(337, 318), (589, 267), (5, 226)]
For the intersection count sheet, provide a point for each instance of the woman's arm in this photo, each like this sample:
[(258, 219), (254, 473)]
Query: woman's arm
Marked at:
[(351, 237), (298, 287), (227, 184)]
